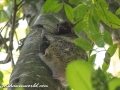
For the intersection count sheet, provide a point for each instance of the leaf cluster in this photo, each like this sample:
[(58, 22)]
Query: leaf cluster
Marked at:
[(87, 15)]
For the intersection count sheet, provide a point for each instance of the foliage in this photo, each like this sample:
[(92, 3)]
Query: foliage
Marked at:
[(10, 13), (87, 15), (1, 80)]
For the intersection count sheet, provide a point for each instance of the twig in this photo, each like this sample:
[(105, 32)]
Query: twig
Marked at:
[(12, 29), (4, 42), (1, 29)]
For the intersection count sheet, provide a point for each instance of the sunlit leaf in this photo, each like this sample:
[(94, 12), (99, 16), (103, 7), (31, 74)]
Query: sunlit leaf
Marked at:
[(1, 77), (79, 27), (92, 30), (48, 5), (107, 37), (69, 12), (101, 3), (57, 7), (76, 1), (78, 74), (79, 12), (19, 88), (118, 12), (83, 43), (99, 80), (105, 67), (111, 50), (98, 39), (119, 53), (92, 58), (114, 83), (109, 18), (3, 16)]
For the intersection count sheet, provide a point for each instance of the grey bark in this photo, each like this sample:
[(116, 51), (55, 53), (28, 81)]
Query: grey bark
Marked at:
[(29, 68)]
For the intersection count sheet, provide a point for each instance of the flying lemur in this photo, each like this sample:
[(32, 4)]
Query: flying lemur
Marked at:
[(59, 52)]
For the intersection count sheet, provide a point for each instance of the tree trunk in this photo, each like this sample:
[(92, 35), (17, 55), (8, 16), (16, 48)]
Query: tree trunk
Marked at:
[(29, 69)]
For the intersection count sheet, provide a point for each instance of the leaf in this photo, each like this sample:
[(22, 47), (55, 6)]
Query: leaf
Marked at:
[(107, 37), (3, 16), (107, 58), (76, 1), (49, 5), (114, 83), (19, 88), (101, 3), (1, 77), (98, 39), (118, 12), (57, 8), (83, 43), (69, 12), (119, 53), (92, 58), (109, 18), (106, 16), (111, 50), (78, 74), (79, 12), (79, 27), (93, 25), (92, 30), (99, 81), (105, 67)]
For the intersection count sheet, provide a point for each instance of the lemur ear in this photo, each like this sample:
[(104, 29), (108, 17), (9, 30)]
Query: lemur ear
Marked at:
[(63, 28)]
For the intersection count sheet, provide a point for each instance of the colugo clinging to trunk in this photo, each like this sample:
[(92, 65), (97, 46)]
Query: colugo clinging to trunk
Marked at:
[(61, 51)]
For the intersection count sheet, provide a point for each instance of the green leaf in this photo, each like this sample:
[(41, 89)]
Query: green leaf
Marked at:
[(76, 1), (114, 83), (1, 77), (79, 27), (119, 53), (95, 14), (109, 18), (78, 74), (107, 58), (79, 12), (107, 37), (49, 5), (105, 67), (98, 39), (93, 25), (92, 58), (69, 12), (101, 3), (19, 88), (106, 16), (83, 43), (99, 81), (111, 50), (92, 30), (57, 7), (118, 12), (3, 16)]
